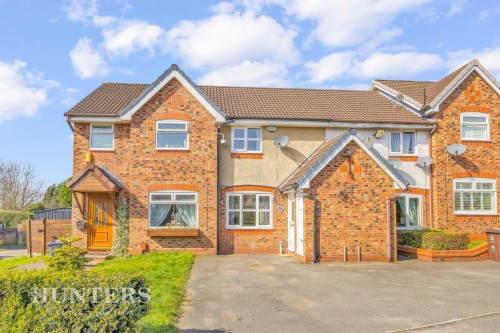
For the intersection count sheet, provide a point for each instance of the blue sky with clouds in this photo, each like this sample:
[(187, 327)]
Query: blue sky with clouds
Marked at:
[(53, 53)]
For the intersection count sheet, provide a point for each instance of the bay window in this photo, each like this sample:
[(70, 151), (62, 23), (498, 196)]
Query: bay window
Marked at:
[(173, 209), (474, 196), (409, 212), (249, 210)]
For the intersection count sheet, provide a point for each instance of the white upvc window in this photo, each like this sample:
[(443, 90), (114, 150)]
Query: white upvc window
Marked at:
[(246, 140), (172, 135), (402, 143), (173, 210), (409, 212), (249, 210), (475, 126), (475, 196), (102, 136)]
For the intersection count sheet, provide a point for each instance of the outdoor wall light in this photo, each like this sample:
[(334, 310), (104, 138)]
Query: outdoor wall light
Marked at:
[(223, 141)]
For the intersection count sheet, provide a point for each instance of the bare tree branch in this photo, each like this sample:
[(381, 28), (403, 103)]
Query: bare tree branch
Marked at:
[(18, 185)]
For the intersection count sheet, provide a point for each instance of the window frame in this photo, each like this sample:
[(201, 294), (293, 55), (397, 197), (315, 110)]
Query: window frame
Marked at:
[(171, 121), (91, 133), (257, 210), (474, 189), (172, 201), (407, 205), (245, 150), (401, 152), (475, 114)]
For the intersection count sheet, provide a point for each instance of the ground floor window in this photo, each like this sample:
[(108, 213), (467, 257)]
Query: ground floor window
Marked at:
[(409, 212), (173, 209), (474, 196), (249, 210)]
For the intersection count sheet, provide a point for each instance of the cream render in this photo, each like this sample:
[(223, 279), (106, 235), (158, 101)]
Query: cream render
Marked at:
[(276, 163)]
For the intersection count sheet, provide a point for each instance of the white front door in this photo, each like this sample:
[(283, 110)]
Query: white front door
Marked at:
[(291, 224), (299, 223)]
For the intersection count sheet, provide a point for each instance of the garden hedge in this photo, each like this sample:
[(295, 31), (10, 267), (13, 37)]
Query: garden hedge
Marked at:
[(23, 308), (433, 239), (11, 218)]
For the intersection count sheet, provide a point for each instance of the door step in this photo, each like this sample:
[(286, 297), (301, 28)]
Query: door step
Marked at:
[(95, 258)]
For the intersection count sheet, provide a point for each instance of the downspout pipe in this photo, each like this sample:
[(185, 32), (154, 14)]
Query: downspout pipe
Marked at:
[(431, 196), (69, 124), (389, 238), (315, 251)]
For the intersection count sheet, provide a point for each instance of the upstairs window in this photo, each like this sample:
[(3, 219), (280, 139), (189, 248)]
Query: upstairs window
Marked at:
[(247, 140), (475, 126), (102, 137), (173, 210), (172, 135), (474, 196), (402, 143)]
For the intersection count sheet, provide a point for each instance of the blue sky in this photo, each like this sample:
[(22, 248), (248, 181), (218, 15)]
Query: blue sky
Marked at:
[(53, 53)]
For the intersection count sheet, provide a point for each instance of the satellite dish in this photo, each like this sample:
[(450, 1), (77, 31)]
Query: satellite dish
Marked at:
[(395, 162), (424, 161), (281, 141), (456, 149)]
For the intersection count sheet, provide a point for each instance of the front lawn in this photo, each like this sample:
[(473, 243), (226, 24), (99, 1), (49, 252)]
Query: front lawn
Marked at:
[(166, 275), (9, 263)]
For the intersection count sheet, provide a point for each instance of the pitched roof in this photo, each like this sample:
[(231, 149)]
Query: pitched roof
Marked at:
[(327, 151), (106, 181), (310, 104), (429, 93), (107, 100)]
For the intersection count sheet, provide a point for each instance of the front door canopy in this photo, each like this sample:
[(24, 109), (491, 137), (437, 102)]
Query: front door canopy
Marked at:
[(95, 179)]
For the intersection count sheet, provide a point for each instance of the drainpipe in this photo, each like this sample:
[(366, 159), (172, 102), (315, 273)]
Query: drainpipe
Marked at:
[(315, 252), (431, 196), (69, 124), (389, 238)]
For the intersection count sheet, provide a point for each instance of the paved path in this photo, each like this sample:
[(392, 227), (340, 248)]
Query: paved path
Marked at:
[(271, 293), (12, 251)]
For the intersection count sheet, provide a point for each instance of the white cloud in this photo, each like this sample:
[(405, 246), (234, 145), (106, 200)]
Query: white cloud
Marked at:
[(331, 67), (456, 7), (87, 62), (398, 65), (80, 10), (132, 36), (103, 21), (248, 73), (229, 39), (488, 57), (19, 97), (351, 23)]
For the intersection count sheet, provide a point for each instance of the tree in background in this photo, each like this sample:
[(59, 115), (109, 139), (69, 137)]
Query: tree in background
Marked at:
[(19, 186), (57, 195)]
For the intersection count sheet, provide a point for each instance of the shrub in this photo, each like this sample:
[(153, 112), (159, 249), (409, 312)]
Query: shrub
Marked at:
[(413, 238), (11, 218), (24, 309), (67, 258), (121, 241), (445, 241)]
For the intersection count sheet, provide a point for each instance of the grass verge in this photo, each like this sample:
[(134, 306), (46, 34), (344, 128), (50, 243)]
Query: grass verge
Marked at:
[(167, 275), (10, 263), (474, 244)]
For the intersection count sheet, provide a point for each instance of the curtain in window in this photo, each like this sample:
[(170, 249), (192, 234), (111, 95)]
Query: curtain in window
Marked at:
[(395, 142), (158, 214), (408, 142), (188, 214), (413, 211)]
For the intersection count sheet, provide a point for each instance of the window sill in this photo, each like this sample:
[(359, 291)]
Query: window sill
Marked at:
[(248, 228), (96, 150), (405, 158), (248, 156), (172, 232), (476, 214), (409, 228)]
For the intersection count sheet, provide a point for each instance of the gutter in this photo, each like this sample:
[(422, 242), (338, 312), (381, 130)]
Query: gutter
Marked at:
[(69, 124), (315, 251)]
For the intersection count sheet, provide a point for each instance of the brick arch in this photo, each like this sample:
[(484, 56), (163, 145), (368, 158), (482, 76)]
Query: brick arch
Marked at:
[(254, 188), (172, 115)]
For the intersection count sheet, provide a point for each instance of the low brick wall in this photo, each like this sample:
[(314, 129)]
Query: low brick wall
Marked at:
[(479, 253)]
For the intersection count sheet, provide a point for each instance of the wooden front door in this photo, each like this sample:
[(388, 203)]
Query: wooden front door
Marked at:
[(100, 222)]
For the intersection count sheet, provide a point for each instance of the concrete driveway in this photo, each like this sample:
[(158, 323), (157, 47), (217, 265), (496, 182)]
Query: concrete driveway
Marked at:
[(10, 251), (272, 293)]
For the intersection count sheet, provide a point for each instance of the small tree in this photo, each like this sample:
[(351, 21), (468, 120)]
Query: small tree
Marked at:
[(121, 242), (67, 257)]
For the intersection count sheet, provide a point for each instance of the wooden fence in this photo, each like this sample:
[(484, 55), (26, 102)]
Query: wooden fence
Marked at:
[(10, 236), (41, 232)]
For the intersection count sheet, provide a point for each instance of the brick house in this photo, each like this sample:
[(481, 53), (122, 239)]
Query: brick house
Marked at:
[(323, 174)]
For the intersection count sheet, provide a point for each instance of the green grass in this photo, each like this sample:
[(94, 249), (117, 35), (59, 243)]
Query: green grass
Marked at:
[(475, 243), (9, 263), (167, 275)]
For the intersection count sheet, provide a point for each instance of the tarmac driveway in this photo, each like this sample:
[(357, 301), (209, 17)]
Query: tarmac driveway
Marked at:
[(272, 293), (10, 251)]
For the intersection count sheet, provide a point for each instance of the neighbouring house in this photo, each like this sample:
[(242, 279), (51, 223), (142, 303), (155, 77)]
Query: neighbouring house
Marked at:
[(326, 175)]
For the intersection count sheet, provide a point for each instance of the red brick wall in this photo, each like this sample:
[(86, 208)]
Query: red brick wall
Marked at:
[(481, 159), (137, 163), (234, 241), (351, 212)]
